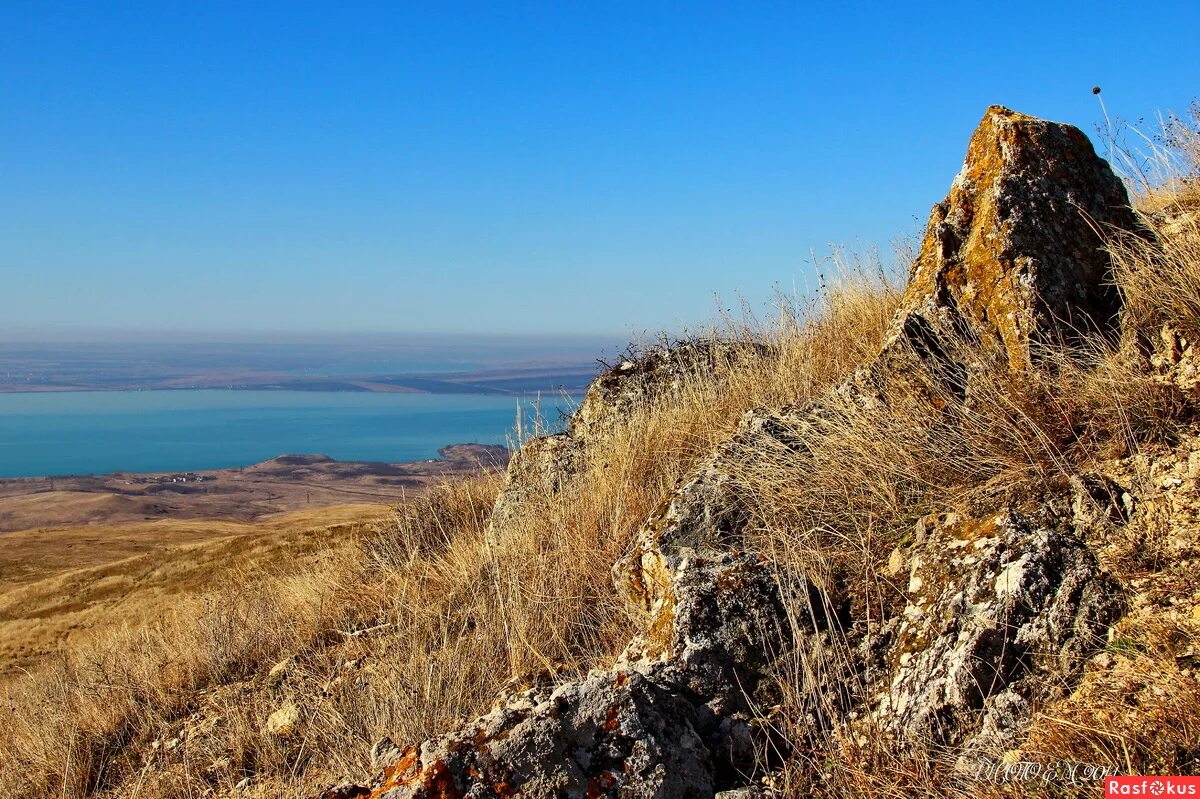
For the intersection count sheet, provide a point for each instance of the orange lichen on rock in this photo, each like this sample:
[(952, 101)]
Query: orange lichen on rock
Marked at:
[(1014, 255)]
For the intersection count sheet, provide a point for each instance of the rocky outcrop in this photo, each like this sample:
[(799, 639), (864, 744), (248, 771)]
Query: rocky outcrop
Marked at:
[(543, 465), (1014, 256), (999, 611), (670, 720), (1012, 260), (635, 382)]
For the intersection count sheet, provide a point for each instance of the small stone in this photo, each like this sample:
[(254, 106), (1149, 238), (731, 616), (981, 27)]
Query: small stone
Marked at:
[(279, 671), (283, 721), (895, 563)]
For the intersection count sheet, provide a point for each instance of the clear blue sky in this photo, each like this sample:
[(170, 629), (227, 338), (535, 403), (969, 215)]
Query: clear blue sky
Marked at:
[(490, 167)]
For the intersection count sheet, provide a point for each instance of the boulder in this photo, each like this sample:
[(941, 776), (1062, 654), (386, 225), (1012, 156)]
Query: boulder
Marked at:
[(1001, 614), (1014, 257)]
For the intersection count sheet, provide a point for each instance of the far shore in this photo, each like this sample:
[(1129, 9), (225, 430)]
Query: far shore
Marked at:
[(249, 493)]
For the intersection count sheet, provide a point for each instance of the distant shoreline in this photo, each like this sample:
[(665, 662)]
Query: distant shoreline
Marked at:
[(351, 388), (244, 493), (51, 372)]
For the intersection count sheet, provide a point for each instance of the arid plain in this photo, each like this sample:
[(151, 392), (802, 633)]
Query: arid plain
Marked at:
[(83, 553)]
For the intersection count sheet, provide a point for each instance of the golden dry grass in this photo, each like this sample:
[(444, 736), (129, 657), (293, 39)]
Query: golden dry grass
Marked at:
[(57, 584)]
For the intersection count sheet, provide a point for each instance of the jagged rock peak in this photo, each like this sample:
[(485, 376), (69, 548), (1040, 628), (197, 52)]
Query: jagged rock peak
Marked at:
[(1014, 254)]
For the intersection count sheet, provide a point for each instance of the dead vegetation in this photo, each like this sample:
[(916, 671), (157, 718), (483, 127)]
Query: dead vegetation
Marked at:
[(410, 628)]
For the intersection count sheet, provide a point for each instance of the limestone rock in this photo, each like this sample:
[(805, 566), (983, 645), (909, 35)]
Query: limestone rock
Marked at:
[(635, 382), (997, 611), (284, 721), (1014, 256), (705, 513), (1011, 260), (670, 720), (612, 734), (1000, 613)]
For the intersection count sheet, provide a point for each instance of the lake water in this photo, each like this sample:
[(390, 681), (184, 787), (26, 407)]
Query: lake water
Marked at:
[(98, 432)]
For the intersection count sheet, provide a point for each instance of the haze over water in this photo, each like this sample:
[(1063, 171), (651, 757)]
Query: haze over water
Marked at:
[(96, 432)]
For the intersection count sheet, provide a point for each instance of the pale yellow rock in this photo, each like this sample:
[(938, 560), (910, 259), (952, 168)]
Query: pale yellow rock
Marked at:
[(279, 670), (283, 721)]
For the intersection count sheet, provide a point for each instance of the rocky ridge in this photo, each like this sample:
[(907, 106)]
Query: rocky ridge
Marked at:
[(1001, 610)]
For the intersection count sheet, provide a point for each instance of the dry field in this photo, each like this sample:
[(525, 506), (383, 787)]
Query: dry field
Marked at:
[(58, 583)]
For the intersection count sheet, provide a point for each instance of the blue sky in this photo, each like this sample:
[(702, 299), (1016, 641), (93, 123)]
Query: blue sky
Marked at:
[(592, 168)]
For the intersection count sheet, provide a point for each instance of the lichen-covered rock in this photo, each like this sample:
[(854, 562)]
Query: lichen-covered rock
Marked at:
[(635, 382), (1011, 260), (612, 734), (705, 512), (1000, 613), (670, 720), (1014, 255)]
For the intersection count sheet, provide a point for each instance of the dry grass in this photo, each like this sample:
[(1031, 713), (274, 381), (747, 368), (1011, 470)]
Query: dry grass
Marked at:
[(59, 584), (415, 626)]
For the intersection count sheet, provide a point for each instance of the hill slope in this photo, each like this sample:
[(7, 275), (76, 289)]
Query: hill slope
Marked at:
[(886, 547)]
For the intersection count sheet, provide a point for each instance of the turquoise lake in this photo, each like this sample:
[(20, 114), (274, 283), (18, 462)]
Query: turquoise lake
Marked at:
[(97, 432)]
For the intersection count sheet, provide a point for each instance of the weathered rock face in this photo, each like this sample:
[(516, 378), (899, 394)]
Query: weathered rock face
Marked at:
[(635, 382), (998, 611), (1011, 260), (611, 734), (542, 466), (1014, 256), (671, 720)]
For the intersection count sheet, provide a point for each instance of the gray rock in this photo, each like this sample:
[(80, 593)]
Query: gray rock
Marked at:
[(671, 720), (612, 734), (1001, 613), (636, 382)]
